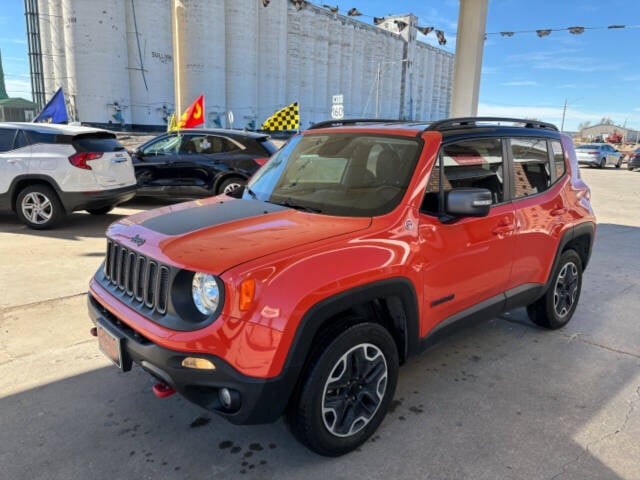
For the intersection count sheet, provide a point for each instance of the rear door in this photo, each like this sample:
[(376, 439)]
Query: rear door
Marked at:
[(14, 156), (111, 164), (540, 206)]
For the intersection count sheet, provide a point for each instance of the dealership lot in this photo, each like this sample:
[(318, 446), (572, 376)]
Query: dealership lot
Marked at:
[(499, 399)]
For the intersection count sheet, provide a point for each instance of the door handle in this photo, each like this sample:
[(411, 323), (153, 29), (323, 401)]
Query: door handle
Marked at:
[(558, 211), (12, 161)]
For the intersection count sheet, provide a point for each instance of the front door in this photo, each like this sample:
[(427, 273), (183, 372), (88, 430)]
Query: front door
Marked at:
[(466, 262)]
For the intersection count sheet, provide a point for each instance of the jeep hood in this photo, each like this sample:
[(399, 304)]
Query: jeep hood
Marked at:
[(218, 233)]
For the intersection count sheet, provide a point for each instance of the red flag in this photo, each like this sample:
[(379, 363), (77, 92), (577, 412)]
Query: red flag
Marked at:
[(193, 115)]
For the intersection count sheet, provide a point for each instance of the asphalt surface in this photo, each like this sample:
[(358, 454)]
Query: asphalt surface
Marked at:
[(500, 399)]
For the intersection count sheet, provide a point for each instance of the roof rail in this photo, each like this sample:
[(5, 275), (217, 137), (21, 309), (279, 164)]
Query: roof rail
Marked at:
[(352, 121), (450, 123)]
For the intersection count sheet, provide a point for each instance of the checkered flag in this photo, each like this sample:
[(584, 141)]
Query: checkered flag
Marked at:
[(287, 118)]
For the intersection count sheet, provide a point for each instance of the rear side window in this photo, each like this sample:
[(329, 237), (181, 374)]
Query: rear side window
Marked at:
[(473, 163), (39, 137), (97, 143), (6, 139), (531, 166), (558, 158)]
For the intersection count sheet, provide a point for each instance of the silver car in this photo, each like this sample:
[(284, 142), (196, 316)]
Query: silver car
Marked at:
[(598, 155)]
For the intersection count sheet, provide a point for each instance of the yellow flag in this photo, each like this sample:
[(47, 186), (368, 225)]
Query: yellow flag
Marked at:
[(287, 118), (172, 124)]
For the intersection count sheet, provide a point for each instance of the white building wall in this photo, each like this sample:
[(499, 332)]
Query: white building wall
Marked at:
[(96, 53), (272, 60), (204, 55), (150, 61), (245, 58)]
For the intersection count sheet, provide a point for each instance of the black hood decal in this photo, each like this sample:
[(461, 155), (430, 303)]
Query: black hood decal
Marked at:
[(199, 217)]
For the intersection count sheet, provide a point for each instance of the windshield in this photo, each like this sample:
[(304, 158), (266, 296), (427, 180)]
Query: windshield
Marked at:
[(344, 174)]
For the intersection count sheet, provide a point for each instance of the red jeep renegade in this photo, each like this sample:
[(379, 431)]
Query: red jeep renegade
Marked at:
[(348, 250)]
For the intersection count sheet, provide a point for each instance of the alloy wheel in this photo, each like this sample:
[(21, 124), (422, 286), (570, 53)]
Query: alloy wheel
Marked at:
[(37, 208), (566, 289), (354, 390)]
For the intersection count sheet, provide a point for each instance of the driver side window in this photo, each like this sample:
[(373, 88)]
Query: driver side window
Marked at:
[(473, 163), (165, 146)]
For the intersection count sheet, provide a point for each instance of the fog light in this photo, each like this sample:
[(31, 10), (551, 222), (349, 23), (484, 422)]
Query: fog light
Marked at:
[(229, 399), (225, 397), (198, 363)]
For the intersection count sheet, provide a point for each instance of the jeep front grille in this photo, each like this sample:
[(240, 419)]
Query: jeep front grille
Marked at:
[(141, 278)]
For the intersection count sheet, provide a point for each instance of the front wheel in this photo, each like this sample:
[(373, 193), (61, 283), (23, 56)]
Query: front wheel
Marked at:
[(603, 163), (231, 184), (347, 391), (556, 307), (38, 207)]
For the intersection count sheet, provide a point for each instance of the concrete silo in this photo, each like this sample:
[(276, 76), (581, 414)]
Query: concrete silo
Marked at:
[(150, 61), (96, 60)]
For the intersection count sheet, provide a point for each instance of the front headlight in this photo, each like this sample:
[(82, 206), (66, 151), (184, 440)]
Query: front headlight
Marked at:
[(205, 292)]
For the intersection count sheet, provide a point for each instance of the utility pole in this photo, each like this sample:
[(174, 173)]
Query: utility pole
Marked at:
[(564, 111)]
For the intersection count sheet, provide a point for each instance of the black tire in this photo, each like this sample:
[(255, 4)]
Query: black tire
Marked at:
[(346, 391), (555, 308), (603, 163), (228, 185), (100, 211), (39, 207)]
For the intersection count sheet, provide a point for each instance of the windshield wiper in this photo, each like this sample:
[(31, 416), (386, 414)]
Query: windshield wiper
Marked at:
[(295, 206)]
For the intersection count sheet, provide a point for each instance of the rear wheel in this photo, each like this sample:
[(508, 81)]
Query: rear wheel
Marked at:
[(38, 207), (619, 164), (100, 211), (556, 307), (347, 391)]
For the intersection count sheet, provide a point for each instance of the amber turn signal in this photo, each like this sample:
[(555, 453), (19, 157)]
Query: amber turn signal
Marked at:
[(247, 291)]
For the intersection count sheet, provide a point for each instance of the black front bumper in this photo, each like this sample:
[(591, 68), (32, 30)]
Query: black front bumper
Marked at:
[(261, 400), (74, 201)]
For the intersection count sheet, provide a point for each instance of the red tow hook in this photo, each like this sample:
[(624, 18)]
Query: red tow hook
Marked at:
[(94, 332), (162, 390)]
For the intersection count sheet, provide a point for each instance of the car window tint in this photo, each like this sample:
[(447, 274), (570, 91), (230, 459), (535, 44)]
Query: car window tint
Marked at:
[(558, 158), (40, 137), (97, 143), (473, 163), (20, 140), (532, 172), (6, 139), (164, 146)]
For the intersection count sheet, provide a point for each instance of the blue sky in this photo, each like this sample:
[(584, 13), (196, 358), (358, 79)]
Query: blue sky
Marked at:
[(596, 72)]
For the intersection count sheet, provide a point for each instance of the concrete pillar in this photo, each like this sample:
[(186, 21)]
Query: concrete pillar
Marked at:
[(472, 20)]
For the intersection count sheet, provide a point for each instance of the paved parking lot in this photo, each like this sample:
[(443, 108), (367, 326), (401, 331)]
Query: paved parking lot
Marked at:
[(497, 400)]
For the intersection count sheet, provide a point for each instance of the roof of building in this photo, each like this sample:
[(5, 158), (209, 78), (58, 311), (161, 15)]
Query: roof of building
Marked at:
[(18, 103)]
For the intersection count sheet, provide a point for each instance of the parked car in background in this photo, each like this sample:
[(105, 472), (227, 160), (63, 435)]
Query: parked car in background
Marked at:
[(47, 171), (598, 155), (199, 162), (633, 159)]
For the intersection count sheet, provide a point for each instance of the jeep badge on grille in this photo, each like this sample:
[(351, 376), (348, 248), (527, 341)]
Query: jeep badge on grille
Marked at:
[(138, 240)]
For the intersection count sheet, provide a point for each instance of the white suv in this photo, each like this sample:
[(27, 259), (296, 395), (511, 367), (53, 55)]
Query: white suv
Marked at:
[(47, 171)]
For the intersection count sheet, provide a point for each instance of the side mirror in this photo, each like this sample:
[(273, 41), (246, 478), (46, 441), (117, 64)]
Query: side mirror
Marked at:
[(468, 202)]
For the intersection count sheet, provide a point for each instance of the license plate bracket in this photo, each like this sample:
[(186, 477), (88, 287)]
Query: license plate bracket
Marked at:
[(111, 344)]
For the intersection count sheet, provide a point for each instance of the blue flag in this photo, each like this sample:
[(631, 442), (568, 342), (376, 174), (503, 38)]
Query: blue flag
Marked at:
[(55, 111)]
